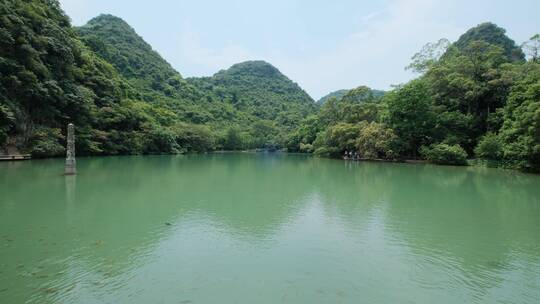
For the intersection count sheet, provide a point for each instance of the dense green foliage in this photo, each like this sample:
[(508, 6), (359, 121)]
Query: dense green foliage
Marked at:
[(123, 96), (520, 132), (489, 147), (154, 79), (410, 114), (116, 42), (49, 78), (493, 35), (475, 97), (264, 104), (252, 98)]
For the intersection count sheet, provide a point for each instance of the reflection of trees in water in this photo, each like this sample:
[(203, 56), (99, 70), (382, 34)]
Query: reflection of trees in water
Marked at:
[(352, 191), (117, 212), (478, 222)]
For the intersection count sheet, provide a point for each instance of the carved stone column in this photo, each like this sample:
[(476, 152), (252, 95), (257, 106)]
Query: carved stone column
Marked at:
[(70, 155)]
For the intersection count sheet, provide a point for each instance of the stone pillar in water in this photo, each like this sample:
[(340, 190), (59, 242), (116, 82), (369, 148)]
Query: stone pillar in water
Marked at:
[(70, 155)]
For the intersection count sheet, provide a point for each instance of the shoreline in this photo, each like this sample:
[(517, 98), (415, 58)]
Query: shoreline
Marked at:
[(473, 163)]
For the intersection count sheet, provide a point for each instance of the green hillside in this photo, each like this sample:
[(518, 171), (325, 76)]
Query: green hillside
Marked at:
[(259, 90), (243, 99), (117, 42), (123, 96)]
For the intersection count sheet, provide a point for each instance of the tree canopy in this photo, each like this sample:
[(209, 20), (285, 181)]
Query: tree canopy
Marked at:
[(123, 96), (476, 97)]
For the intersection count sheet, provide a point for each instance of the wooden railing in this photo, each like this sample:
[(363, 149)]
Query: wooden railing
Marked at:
[(15, 157)]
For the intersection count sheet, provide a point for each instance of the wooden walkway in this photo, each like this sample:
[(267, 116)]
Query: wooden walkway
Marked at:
[(15, 157)]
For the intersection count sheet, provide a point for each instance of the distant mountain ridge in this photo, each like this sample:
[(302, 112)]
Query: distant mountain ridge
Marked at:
[(340, 93)]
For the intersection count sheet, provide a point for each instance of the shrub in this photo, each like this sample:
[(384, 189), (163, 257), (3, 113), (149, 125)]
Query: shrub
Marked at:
[(444, 154), (489, 147)]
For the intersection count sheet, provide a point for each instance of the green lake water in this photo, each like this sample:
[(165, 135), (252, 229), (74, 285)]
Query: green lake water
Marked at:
[(264, 228)]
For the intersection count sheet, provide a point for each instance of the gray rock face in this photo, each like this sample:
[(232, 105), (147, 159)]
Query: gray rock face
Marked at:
[(70, 155)]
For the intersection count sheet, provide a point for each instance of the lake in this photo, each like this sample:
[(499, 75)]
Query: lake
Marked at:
[(266, 228)]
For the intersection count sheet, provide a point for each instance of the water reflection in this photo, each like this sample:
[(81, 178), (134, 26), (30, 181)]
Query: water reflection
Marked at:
[(266, 229)]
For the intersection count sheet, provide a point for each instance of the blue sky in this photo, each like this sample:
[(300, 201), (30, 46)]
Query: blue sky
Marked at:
[(322, 45)]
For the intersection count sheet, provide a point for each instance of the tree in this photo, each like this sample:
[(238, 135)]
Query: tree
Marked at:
[(532, 48), (264, 133), (469, 84), (301, 139), (356, 105), (520, 133), (46, 142), (375, 141), (329, 114), (337, 139), (489, 147), (233, 139), (428, 56), (160, 140), (411, 116), (194, 138)]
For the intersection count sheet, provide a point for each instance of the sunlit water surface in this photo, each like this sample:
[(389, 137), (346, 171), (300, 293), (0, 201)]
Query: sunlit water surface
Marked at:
[(248, 228)]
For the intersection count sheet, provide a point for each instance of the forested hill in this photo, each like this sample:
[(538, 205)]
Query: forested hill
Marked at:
[(254, 89), (249, 98), (259, 89), (340, 93), (478, 97), (123, 97), (493, 35), (118, 43), (336, 94)]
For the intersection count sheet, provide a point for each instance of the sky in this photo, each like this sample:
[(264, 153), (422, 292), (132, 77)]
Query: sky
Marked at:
[(322, 45)]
